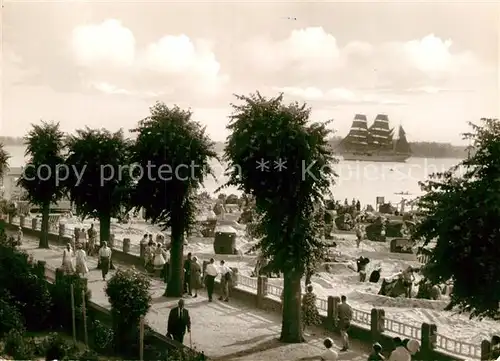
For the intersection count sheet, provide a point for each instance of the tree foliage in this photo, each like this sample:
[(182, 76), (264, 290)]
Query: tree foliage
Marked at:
[(128, 294), (175, 151), (265, 131), (100, 180), (4, 160), (44, 146), (28, 292), (461, 210)]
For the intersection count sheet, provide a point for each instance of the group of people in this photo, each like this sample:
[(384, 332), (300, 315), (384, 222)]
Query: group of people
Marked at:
[(194, 280), (403, 350), (156, 255), (76, 261), (87, 239)]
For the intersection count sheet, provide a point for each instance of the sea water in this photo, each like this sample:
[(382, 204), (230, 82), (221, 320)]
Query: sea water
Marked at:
[(360, 180)]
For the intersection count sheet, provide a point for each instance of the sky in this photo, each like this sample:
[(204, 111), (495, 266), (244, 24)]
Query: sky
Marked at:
[(430, 66)]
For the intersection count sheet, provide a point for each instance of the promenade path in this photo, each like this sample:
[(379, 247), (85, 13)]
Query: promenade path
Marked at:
[(224, 331)]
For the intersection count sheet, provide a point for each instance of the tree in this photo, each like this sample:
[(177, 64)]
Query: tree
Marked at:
[(42, 176), (461, 209), (100, 180), (176, 152), (275, 155), (4, 160)]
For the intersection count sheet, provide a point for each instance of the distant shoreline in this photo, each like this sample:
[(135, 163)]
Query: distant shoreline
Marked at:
[(419, 149)]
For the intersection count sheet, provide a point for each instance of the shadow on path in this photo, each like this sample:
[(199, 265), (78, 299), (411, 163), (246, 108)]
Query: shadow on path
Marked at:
[(264, 346)]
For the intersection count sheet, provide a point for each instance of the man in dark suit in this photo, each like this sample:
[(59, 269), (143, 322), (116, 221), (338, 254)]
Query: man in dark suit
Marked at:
[(178, 322)]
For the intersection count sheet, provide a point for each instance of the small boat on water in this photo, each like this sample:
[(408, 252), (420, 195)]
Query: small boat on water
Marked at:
[(403, 193)]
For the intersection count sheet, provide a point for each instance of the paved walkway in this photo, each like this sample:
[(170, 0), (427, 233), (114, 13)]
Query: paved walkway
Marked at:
[(224, 331)]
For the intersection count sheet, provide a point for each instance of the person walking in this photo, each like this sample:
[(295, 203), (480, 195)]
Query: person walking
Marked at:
[(92, 237), (159, 258), (345, 318), (210, 274), (310, 313), (225, 278), (165, 272), (178, 322), (20, 236), (187, 275), (104, 259), (359, 233), (149, 256), (195, 281), (67, 261), (81, 261)]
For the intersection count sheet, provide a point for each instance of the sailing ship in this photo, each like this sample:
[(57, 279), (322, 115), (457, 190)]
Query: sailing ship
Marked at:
[(375, 143)]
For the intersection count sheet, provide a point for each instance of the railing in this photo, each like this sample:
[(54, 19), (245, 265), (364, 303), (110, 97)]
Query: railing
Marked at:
[(361, 317), (443, 343), (423, 258), (274, 290), (247, 281), (402, 329), (322, 304), (458, 348)]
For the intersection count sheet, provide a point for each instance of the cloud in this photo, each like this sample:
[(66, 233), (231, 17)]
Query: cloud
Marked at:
[(112, 89), (105, 44), (435, 90), (176, 59), (337, 96), (314, 56)]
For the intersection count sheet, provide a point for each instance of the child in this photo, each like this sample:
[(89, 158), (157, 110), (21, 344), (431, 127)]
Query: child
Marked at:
[(330, 354), (376, 354)]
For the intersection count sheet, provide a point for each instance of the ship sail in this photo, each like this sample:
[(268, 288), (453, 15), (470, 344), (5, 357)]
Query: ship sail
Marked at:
[(402, 146), (377, 143), (380, 135), (358, 135)]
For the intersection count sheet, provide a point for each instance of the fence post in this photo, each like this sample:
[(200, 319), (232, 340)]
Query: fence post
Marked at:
[(334, 304), (141, 339), (11, 218), (261, 290), (375, 324), (84, 314), (59, 275), (22, 220), (40, 269), (126, 245), (234, 278), (62, 231), (485, 350), (330, 321), (73, 316), (34, 224), (429, 338)]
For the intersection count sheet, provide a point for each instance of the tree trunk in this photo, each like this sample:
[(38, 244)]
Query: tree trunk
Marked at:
[(44, 227), (104, 227), (175, 284), (309, 274), (291, 326)]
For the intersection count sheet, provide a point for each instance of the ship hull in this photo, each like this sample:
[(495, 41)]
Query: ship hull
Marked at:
[(376, 157)]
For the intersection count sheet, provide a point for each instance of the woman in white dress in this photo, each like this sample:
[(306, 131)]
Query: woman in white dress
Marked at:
[(67, 261), (159, 258), (81, 261)]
